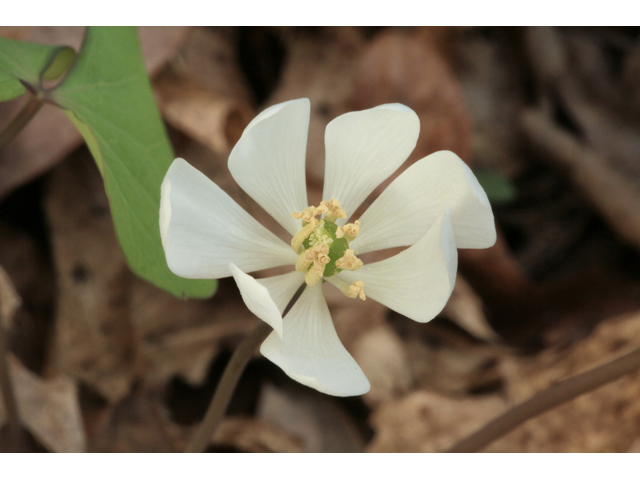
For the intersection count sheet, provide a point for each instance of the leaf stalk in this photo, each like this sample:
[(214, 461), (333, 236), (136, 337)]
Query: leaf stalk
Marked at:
[(20, 121)]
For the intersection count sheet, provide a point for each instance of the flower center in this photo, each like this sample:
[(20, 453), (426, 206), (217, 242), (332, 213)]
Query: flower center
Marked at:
[(323, 246)]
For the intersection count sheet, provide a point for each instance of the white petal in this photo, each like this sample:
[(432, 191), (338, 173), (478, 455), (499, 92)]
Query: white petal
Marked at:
[(282, 287), (203, 229), (268, 161), (310, 351), (408, 207), (257, 299), (364, 148), (418, 281)]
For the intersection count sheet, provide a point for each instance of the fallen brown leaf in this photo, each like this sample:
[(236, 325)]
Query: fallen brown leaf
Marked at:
[(213, 119), (48, 408), (94, 339), (137, 424), (605, 420), (428, 422), (9, 300), (465, 308), (318, 420), (254, 436), (209, 58), (408, 67)]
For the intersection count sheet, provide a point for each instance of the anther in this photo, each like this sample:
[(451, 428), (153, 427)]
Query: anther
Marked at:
[(333, 210), (349, 261), (357, 290), (349, 231)]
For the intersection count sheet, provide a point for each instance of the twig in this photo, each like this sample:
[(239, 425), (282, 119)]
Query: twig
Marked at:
[(20, 121), (550, 398), (613, 194), (229, 381)]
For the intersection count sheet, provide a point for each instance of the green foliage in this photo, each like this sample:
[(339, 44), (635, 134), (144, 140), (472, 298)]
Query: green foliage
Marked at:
[(107, 95), (10, 87), (499, 188), (30, 63)]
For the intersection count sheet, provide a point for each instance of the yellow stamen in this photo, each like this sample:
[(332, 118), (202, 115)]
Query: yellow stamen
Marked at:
[(350, 231), (356, 290), (316, 271), (310, 255), (349, 261), (308, 214), (303, 233), (333, 209)]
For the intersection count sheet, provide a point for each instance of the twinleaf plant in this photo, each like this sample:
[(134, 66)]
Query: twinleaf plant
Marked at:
[(106, 93)]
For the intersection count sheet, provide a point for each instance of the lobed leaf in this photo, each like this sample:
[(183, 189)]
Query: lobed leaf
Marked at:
[(107, 95)]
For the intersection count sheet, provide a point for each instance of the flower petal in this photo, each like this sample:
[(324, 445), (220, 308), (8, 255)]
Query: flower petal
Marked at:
[(257, 299), (408, 207), (364, 148), (203, 229), (418, 281), (282, 288), (310, 351), (268, 161)]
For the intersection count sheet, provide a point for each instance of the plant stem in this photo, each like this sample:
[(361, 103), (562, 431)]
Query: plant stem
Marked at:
[(229, 380), (226, 387), (6, 386), (20, 121), (562, 392)]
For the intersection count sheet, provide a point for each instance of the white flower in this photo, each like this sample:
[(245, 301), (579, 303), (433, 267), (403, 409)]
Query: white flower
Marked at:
[(434, 206)]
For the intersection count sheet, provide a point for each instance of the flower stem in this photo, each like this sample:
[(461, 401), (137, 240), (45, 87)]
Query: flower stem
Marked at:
[(226, 387), (229, 380), (20, 121), (550, 398)]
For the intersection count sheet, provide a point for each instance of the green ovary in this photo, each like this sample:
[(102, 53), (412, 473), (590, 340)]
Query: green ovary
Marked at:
[(325, 232)]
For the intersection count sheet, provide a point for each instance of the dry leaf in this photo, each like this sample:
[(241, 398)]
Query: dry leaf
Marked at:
[(94, 341), (213, 119), (428, 422), (208, 57), (318, 420), (444, 360), (407, 67), (464, 307), (138, 424), (180, 338), (48, 408), (605, 420), (254, 436), (493, 96), (381, 355), (9, 300)]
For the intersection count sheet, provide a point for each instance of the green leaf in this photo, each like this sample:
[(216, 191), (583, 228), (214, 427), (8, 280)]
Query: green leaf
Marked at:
[(108, 96), (59, 64), (10, 87), (30, 63), (499, 188)]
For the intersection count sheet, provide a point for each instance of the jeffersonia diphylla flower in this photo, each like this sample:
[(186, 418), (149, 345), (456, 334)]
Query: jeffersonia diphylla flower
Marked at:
[(433, 207)]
